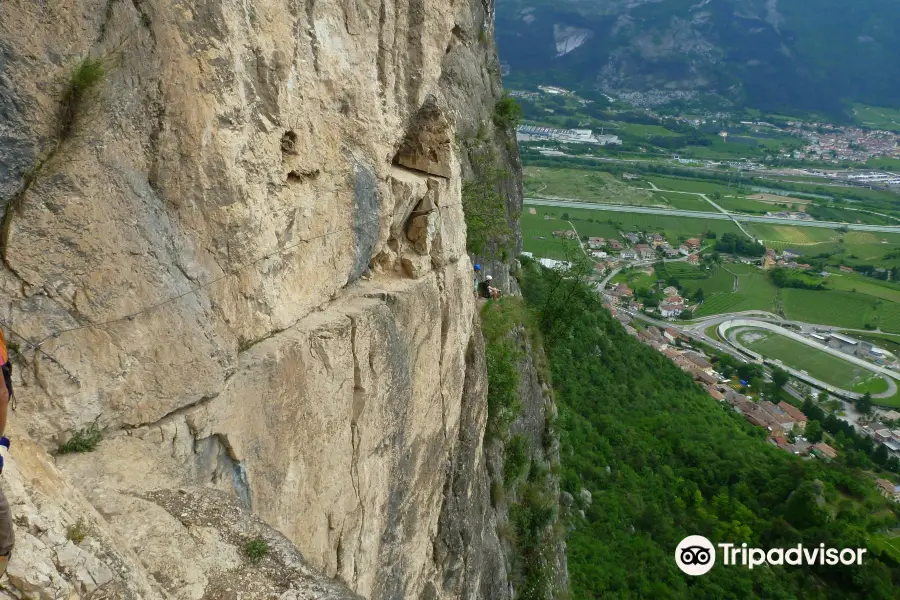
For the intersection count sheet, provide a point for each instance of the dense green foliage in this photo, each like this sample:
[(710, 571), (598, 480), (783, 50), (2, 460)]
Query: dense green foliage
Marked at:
[(733, 243), (525, 486), (507, 113), (484, 203), (663, 460), (502, 357), (786, 278)]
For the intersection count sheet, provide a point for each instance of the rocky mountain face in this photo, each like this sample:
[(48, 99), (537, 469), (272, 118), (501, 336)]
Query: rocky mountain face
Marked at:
[(787, 55), (234, 243)]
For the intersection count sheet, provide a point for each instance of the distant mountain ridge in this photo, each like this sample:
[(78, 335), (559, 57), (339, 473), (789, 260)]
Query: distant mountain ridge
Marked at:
[(777, 55)]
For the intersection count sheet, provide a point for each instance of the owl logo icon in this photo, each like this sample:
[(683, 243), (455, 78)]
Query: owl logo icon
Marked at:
[(695, 555)]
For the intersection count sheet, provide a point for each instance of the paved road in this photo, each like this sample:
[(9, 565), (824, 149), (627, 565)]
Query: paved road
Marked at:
[(710, 202), (706, 215), (888, 375), (850, 414)]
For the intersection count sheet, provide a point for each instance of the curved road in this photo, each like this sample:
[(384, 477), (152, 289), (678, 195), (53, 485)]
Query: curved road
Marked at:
[(731, 331), (707, 215)]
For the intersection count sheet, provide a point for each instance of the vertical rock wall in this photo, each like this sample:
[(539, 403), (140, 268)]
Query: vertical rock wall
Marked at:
[(233, 238)]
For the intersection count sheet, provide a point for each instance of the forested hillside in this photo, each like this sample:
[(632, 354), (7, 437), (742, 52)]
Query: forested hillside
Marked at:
[(778, 55), (661, 460)]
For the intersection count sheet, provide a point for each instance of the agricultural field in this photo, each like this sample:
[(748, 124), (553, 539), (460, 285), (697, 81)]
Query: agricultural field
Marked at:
[(876, 117), (672, 227), (889, 317), (537, 237), (583, 184), (798, 236), (887, 544), (740, 269), (849, 282), (794, 354), (716, 281), (641, 130), (865, 247), (755, 292), (684, 201), (883, 162), (843, 309), (747, 205), (636, 278)]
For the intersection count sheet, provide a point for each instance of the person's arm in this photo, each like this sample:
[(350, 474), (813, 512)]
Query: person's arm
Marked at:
[(4, 406)]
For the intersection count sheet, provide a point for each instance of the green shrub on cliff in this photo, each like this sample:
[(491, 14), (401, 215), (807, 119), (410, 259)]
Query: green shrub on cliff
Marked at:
[(507, 113), (484, 204), (502, 357)]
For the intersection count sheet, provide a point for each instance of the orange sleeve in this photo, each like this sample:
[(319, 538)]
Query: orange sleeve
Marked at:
[(4, 355)]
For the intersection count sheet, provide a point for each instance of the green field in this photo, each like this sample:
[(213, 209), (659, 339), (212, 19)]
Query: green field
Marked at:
[(825, 367), (537, 236), (887, 544), (684, 201), (865, 285), (755, 292), (641, 130), (697, 186), (716, 281), (854, 310), (799, 236), (876, 117), (672, 227), (739, 204), (883, 162), (843, 309), (873, 384), (583, 184), (635, 278), (889, 317)]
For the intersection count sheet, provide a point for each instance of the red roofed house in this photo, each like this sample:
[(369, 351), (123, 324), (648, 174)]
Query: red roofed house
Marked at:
[(888, 489), (670, 310), (623, 290), (692, 243), (824, 450), (693, 259), (644, 251), (795, 413), (846, 269), (615, 244)]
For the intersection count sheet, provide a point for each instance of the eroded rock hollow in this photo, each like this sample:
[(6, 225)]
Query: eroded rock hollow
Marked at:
[(234, 242)]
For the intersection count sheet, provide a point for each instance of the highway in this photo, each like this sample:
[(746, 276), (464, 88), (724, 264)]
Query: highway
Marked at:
[(707, 215), (708, 201)]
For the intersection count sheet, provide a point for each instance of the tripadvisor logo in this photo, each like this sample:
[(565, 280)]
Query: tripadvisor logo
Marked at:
[(696, 555)]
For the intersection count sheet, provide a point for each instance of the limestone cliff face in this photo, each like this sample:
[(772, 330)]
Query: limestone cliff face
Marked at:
[(234, 240)]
